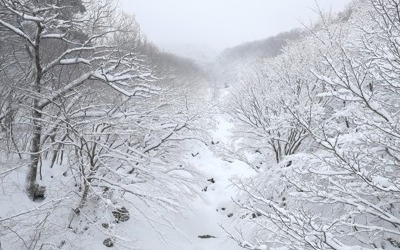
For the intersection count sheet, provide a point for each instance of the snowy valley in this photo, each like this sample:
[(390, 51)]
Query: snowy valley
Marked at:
[(288, 143)]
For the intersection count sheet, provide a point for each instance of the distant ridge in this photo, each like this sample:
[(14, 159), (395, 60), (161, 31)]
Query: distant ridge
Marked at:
[(265, 48)]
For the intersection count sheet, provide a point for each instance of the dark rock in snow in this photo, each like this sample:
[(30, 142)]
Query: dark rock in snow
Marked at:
[(108, 242), (194, 155), (394, 242), (204, 189), (121, 214), (211, 180), (230, 215), (61, 244), (105, 225), (206, 236), (255, 215)]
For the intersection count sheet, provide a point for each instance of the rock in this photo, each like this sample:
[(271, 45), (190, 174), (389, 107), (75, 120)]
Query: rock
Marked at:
[(255, 215), (206, 236), (230, 215), (108, 242), (394, 242), (105, 225), (211, 180), (121, 214), (63, 242)]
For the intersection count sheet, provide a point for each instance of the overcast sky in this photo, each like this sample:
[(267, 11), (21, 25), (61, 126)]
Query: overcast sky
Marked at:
[(218, 24)]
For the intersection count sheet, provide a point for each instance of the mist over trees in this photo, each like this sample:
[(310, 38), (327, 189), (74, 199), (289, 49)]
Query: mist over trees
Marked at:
[(231, 63), (261, 49), (102, 133)]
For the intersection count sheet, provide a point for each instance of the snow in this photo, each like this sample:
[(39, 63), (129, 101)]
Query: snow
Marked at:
[(206, 214), (152, 230), (74, 61)]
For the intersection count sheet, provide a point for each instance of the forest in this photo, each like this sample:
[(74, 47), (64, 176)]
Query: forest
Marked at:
[(108, 142)]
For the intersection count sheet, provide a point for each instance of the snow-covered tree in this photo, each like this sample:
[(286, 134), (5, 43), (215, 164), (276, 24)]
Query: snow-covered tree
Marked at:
[(261, 107), (342, 191), (98, 129), (55, 40)]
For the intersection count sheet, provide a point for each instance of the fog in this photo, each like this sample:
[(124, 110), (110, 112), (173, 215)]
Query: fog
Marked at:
[(218, 24)]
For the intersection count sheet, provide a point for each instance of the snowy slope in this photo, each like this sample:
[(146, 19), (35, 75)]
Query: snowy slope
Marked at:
[(207, 213), (149, 230)]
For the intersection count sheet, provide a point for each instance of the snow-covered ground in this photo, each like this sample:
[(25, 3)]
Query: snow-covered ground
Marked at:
[(208, 213), (205, 215)]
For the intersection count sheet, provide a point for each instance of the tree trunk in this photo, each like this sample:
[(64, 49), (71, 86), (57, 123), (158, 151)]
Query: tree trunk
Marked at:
[(34, 190)]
